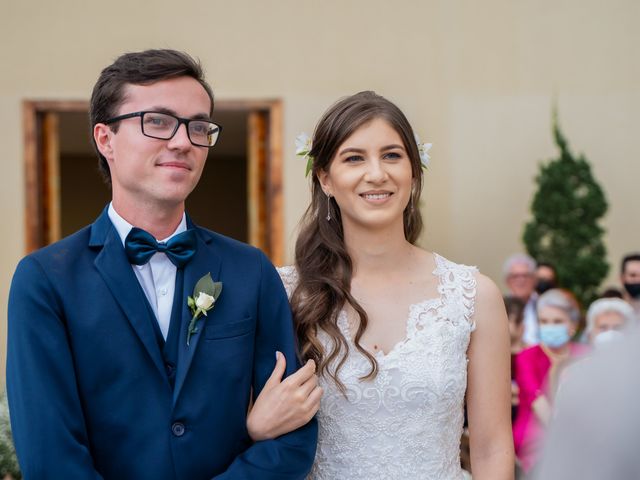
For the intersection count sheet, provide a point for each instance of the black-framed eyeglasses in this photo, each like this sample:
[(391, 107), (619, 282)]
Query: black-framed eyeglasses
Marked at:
[(164, 126)]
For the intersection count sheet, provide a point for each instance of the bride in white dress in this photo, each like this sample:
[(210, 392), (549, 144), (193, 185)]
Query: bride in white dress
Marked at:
[(401, 337)]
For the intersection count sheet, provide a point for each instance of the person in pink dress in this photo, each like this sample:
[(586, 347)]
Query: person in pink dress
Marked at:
[(537, 369)]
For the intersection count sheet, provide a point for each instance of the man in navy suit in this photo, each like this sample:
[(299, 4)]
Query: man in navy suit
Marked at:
[(105, 379)]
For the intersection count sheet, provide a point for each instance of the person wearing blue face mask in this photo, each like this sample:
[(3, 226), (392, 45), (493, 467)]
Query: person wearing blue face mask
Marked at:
[(537, 368)]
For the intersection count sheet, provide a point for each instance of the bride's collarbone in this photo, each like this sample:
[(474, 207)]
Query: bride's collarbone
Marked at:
[(387, 320)]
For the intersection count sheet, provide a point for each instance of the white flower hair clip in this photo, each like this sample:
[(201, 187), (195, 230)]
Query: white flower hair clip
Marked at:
[(423, 149), (303, 148)]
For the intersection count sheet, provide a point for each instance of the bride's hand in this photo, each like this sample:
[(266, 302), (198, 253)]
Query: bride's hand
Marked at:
[(284, 405)]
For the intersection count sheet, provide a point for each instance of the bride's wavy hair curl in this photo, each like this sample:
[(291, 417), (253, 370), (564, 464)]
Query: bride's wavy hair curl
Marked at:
[(323, 264)]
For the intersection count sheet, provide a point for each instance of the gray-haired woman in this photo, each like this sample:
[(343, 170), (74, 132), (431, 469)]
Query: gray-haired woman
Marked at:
[(607, 318)]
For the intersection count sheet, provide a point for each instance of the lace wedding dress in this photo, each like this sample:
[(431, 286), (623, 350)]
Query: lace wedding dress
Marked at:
[(407, 422)]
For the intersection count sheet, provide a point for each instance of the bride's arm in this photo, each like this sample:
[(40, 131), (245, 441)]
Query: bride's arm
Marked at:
[(488, 387), (284, 405)]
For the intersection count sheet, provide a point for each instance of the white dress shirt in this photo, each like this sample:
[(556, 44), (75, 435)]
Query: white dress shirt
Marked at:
[(531, 335), (158, 277)]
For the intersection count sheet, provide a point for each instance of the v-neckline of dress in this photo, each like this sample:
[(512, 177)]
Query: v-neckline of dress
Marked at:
[(423, 305)]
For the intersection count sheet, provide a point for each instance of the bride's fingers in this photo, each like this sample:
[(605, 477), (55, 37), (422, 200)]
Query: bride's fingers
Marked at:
[(302, 413), (307, 387), (276, 376), (303, 374), (312, 403)]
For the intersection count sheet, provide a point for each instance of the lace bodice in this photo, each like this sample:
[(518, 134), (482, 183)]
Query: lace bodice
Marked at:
[(407, 422)]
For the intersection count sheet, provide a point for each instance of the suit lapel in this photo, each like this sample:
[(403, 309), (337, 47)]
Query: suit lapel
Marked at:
[(204, 261), (115, 269)]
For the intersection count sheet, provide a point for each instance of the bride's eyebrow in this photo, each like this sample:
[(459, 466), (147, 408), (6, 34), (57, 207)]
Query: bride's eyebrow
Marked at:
[(361, 150), (392, 147), (351, 150)]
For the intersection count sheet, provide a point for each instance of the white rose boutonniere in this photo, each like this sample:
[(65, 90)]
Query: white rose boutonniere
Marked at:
[(205, 294), (204, 302)]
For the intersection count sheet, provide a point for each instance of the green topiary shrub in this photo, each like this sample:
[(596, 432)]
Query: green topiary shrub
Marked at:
[(564, 230)]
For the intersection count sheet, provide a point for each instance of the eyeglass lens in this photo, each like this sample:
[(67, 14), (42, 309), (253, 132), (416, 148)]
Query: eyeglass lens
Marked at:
[(163, 126)]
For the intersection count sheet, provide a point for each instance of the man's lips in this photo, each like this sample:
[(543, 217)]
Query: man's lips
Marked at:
[(180, 165)]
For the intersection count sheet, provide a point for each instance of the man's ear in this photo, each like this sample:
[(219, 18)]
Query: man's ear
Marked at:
[(325, 181), (102, 135)]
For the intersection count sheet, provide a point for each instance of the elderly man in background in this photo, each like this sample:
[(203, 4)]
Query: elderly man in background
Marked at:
[(520, 278)]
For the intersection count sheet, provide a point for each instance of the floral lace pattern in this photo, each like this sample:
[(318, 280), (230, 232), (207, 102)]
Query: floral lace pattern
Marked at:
[(407, 422)]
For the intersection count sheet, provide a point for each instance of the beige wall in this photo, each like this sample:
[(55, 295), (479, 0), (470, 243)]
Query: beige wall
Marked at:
[(475, 78)]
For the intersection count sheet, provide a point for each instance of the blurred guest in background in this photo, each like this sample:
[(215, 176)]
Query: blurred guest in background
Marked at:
[(607, 319), (537, 368), (546, 277), (515, 310), (515, 314), (630, 279), (519, 275), (595, 432), (610, 292)]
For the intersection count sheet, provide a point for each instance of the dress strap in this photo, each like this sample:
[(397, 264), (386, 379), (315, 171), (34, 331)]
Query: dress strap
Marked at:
[(457, 288), (289, 276)]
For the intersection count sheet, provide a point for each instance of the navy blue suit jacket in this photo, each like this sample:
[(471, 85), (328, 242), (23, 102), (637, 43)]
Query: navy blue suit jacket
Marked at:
[(88, 392)]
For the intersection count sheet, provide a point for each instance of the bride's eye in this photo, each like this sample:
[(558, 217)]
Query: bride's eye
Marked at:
[(353, 158), (392, 156)]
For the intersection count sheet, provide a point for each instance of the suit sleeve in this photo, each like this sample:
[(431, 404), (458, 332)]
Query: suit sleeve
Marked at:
[(289, 456), (46, 414)]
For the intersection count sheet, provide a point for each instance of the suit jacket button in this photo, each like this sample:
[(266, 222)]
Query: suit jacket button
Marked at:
[(178, 429)]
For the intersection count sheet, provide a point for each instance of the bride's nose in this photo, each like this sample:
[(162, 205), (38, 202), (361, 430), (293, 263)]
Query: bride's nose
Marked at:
[(375, 172)]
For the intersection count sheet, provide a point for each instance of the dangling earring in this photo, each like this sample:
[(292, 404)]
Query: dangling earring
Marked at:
[(414, 192), (328, 207)]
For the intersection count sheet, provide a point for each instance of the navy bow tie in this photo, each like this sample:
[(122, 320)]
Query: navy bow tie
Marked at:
[(140, 246)]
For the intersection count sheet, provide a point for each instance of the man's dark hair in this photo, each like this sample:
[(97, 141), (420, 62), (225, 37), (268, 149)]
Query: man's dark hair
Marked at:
[(137, 68), (632, 257)]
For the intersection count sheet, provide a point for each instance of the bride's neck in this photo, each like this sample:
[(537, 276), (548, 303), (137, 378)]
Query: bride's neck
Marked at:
[(377, 251)]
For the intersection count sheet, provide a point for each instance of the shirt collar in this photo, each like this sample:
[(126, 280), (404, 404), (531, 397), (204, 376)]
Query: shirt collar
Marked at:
[(123, 227)]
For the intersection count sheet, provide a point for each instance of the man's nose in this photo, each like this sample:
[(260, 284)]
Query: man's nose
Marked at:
[(180, 139)]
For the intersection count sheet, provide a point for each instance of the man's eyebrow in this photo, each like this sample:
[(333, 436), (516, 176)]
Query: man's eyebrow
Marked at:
[(201, 116), (168, 111)]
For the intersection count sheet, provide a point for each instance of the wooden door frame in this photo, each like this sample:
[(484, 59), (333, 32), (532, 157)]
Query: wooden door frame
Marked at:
[(33, 114), (265, 195)]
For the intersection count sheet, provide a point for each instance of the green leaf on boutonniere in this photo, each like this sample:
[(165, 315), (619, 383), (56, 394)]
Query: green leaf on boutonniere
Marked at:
[(205, 294)]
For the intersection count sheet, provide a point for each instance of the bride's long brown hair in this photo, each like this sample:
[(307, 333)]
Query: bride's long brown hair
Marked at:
[(322, 261)]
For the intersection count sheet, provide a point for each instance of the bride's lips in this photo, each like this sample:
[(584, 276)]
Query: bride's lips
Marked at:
[(376, 196)]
